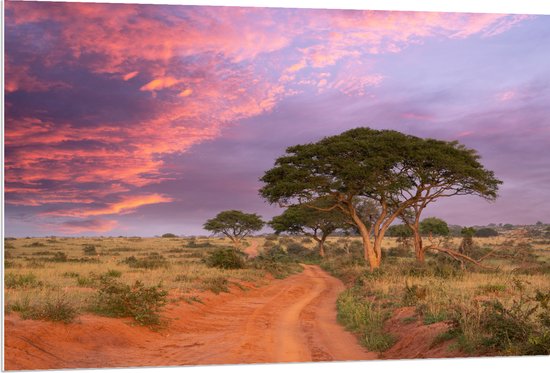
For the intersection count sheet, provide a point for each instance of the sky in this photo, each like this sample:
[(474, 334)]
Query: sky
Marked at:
[(128, 119)]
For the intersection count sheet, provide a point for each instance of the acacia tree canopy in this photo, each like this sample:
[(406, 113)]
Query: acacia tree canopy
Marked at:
[(357, 164), (234, 224), (438, 169), (312, 222)]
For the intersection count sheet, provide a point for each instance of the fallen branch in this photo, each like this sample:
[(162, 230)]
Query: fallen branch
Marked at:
[(460, 257)]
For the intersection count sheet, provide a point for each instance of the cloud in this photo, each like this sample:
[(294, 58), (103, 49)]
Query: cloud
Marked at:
[(160, 83), (126, 205), (88, 225), (130, 75), (99, 95)]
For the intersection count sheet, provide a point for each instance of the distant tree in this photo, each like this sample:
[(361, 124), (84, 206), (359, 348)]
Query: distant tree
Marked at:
[(235, 225), (169, 235), (454, 230), (486, 232), (311, 222), (399, 230), (508, 226), (467, 244), (539, 223), (434, 226)]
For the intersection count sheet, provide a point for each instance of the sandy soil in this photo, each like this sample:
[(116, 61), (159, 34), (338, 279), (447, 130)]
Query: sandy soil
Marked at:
[(290, 320)]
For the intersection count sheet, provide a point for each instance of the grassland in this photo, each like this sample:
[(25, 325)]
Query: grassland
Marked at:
[(503, 310), (499, 311), (59, 278)]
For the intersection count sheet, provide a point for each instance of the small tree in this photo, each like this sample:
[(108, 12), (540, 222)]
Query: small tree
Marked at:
[(486, 232), (434, 226), (467, 244), (235, 225), (314, 223)]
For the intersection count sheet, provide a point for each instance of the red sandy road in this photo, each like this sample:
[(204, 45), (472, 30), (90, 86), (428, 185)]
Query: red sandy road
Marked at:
[(290, 320)]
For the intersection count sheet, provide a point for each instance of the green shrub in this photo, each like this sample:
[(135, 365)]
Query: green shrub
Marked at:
[(54, 309), (360, 315), (218, 284), (521, 328), (113, 273), (89, 250), (414, 294), (14, 281), (85, 281), (143, 303), (151, 261), (36, 244), (225, 259), (59, 257)]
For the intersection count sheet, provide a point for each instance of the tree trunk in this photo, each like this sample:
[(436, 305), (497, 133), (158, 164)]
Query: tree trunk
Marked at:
[(369, 252), (236, 243), (322, 248), (419, 248)]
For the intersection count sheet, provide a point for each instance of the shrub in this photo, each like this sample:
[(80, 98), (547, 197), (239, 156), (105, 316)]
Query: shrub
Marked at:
[(59, 257), (521, 328), (113, 273), (226, 259), (151, 261), (143, 303), (14, 281), (89, 250), (56, 309), (364, 317), (36, 244), (486, 232), (216, 284)]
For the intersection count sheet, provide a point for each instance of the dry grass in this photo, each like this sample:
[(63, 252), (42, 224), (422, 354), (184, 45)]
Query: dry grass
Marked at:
[(75, 276)]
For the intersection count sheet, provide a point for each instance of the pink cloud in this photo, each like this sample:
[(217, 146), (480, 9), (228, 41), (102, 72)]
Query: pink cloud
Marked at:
[(126, 205), (84, 226), (209, 64)]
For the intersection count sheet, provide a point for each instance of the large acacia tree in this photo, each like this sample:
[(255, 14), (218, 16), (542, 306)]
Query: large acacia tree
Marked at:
[(357, 165), (385, 166), (235, 225), (439, 169), (311, 222)]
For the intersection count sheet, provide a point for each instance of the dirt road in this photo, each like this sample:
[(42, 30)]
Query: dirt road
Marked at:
[(290, 320)]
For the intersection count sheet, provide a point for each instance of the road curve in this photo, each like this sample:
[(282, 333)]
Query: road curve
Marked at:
[(290, 320)]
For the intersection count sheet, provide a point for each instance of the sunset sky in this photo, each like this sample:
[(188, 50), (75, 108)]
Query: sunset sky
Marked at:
[(146, 119)]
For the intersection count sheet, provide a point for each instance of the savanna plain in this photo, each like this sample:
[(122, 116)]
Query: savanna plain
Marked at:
[(132, 301)]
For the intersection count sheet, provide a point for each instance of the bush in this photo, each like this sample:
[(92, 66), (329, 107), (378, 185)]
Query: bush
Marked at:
[(89, 250), (14, 281), (521, 328), (152, 261), (194, 244), (225, 259), (216, 285), (143, 303), (56, 309), (360, 315), (276, 261), (486, 232), (59, 257)]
